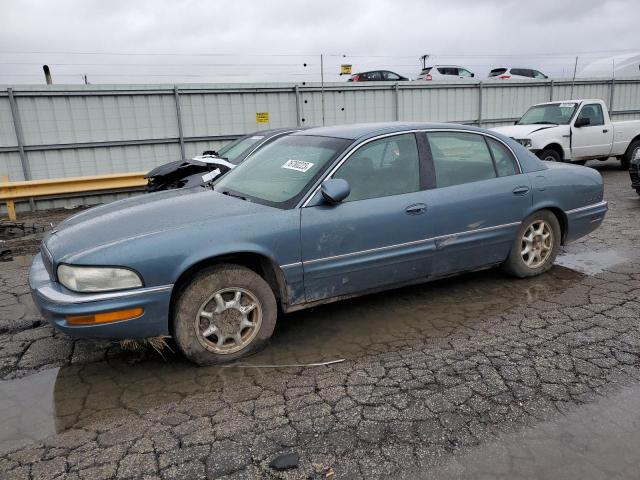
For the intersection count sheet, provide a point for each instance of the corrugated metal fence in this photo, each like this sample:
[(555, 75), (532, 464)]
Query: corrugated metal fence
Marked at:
[(62, 131)]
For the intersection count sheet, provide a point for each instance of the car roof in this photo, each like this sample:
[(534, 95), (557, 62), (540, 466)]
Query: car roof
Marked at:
[(575, 100), (359, 131), (273, 131)]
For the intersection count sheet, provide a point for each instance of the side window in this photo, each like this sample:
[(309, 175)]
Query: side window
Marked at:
[(389, 166), (593, 111), (522, 72), (464, 72), (390, 76), (372, 76), (460, 158), (540, 75), (503, 158), (448, 70)]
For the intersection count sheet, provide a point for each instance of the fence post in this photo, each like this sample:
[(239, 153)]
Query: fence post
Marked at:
[(396, 95), (176, 96), (296, 90), (612, 90), (551, 91), (11, 209), (480, 103), (17, 127)]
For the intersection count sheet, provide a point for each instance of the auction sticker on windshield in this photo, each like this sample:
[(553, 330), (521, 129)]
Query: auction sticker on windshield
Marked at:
[(298, 165)]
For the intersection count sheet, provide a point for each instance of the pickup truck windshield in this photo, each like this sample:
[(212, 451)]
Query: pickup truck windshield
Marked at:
[(551, 113), (277, 174)]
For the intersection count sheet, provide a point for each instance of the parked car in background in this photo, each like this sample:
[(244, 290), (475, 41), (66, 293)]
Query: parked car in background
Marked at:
[(516, 74), (634, 168), (377, 76), (211, 164), (313, 217), (445, 72), (575, 131)]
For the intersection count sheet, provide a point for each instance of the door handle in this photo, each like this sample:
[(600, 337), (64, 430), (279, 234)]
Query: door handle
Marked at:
[(416, 209), (521, 190), (605, 130)]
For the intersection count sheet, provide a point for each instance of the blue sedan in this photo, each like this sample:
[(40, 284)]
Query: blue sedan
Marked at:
[(316, 216)]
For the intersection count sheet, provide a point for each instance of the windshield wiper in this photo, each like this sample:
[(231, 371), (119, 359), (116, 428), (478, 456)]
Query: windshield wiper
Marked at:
[(543, 123), (229, 193)]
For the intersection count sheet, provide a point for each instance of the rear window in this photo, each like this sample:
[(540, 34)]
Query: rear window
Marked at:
[(523, 72), (497, 71), (448, 70)]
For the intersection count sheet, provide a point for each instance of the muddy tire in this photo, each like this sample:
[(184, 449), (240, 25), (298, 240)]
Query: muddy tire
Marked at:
[(535, 246), (632, 151), (224, 313), (550, 155)]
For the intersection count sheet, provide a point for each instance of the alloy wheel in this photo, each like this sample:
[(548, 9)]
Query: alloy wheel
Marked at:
[(537, 244), (228, 320)]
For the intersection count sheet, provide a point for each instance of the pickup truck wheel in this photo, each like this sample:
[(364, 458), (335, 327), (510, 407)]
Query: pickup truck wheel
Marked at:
[(550, 155), (223, 314), (632, 153), (535, 246)]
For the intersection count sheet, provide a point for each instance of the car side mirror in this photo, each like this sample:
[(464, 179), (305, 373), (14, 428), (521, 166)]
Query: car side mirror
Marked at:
[(473, 75), (335, 190), (582, 122)]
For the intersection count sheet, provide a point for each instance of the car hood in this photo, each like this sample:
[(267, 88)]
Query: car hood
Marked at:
[(143, 215), (521, 131)]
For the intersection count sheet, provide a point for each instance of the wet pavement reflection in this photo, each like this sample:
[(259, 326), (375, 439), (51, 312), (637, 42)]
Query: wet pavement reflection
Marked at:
[(83, 395), (597, 441)]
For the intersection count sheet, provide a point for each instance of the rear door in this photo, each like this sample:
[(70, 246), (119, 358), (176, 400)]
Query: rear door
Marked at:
[(478, 203), (380, 235), (593, 140)]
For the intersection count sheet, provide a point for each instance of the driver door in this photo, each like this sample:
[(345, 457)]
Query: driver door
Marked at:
[(380, 234), (593, 140)]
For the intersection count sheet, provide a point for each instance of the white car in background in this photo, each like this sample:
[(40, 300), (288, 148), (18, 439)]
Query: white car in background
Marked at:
[(445, 72), (575, 131), (504, 73)]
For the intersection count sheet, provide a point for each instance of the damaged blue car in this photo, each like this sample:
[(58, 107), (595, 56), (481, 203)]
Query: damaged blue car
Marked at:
[(316, 216)]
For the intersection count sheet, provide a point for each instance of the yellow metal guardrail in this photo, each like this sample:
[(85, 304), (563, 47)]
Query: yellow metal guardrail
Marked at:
[(11, 191)]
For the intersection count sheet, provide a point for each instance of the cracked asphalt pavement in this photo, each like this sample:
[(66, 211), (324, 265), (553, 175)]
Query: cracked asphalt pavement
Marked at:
[(478, 376)]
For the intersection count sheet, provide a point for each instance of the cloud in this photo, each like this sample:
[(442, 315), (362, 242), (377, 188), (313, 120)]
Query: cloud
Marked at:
[(472, 32)]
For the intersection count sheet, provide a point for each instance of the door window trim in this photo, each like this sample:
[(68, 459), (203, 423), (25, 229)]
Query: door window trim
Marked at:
[(355, 147)]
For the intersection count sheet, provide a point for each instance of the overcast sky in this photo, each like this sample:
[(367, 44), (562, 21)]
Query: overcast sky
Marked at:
[(229, 41)]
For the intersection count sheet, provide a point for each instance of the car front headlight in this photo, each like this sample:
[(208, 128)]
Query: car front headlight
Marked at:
[(525, 142), (97, 279)]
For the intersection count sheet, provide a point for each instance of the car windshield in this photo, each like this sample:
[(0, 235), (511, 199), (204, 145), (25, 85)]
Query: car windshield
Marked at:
[(278, 173), (234, 149), (551, 113)]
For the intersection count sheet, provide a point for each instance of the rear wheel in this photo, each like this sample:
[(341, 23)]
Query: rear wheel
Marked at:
[(550, 155), (223, 314), (632, 153), (536, 245)]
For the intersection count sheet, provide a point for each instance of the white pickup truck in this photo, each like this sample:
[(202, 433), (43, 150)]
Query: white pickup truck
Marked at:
[(575, 131)]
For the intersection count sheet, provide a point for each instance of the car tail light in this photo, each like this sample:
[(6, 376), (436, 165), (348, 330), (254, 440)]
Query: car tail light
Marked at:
[(504, 77), (355, 78), (428, 77)]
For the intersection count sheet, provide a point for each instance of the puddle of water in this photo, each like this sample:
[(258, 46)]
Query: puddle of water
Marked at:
[(77, 395), (591, 262), (27, 409), (597, 441)]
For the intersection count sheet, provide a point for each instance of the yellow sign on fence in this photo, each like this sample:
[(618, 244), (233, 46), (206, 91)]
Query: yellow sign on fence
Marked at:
[(345, 69), (262, 117)]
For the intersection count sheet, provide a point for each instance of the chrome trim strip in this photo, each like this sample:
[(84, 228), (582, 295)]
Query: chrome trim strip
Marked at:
[(54, 296), (315, 190), (603, 203), (414, 242), (290, 265)]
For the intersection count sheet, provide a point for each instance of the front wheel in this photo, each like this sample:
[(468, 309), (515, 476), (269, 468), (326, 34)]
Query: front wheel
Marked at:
[(550, 155), (224, 313), (535, 247)]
